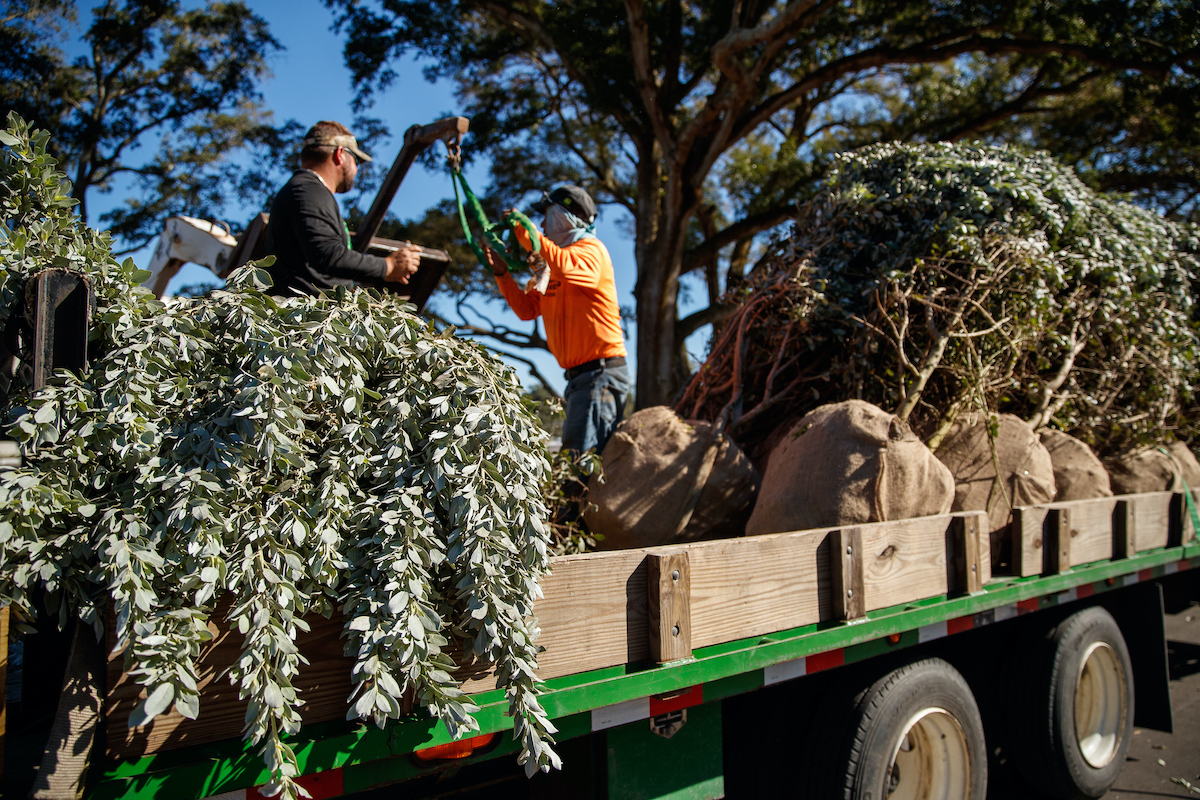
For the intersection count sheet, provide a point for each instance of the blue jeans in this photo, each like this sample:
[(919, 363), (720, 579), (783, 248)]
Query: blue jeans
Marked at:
[(595, 404)]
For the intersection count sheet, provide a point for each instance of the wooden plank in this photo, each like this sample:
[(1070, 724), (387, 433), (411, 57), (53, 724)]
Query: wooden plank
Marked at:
[(758, 585), (968, 553), (904, 561), (1056, 536), (593, 611), (593, 615), (1027, 522), (1087, 535), (1090, 529), (1124, 522), (1153, 519), (62, 307), (324, 684), (846, 573), (251, 246), (984, 546), (596, 611), (669, 605)]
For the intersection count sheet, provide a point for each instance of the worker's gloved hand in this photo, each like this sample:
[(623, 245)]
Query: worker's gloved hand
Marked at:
[(402, 264), (495, 261)]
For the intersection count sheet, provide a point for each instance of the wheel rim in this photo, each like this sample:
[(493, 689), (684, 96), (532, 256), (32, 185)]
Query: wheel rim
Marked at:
[(930, 761), (1100, 704)]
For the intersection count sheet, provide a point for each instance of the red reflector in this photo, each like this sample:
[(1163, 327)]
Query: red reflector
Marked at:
[(319, 785), (460, 749), (893, 638), (692, 696), (827, 660)]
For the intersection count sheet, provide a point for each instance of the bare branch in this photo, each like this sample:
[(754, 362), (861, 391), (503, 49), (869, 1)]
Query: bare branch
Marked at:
[(941, 49), (741, 39), (531, 340), (533, 370), (639, 46), (695, 321), (524, 25), (1019, 105), (749, 226)]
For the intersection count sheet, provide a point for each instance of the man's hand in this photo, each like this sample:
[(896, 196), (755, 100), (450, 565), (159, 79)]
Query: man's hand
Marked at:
[(495, 261), (402, 264)]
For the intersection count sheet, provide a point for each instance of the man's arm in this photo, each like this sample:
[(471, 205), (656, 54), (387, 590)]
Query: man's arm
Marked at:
[(402, 264), (581, 266), (322, 238), (526, 305)]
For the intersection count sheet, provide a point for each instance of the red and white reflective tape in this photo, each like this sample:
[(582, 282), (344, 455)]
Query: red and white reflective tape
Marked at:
[(947, 627), (645, 708), (799, 667), (321, 785), (1005, 612)]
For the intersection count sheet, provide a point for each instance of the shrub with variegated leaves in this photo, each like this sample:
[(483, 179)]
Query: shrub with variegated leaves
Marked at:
[(932, 279), (298, 455)]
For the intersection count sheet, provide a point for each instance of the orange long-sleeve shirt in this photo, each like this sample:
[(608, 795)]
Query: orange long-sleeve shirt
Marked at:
[(579, 308)]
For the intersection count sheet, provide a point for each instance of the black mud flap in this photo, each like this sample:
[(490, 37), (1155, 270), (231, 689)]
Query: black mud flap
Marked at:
[(1138, 610)]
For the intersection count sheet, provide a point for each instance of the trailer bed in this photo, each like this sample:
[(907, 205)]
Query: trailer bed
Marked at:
[(755, 612)]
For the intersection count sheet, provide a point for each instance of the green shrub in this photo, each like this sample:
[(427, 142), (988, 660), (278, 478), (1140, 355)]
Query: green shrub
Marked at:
[(300, 455), (933, 278)]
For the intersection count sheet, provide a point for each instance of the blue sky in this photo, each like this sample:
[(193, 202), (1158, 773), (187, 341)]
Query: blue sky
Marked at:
[(311, 83)]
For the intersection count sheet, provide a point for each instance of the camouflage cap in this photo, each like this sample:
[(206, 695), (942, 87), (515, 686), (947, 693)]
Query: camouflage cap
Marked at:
[(341, 140)]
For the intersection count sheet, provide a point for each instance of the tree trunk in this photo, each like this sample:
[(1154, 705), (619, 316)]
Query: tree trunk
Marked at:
[(657, 293)]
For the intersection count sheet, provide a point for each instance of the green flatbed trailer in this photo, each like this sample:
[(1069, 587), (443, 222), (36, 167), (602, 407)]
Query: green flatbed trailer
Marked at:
[(767, 715)]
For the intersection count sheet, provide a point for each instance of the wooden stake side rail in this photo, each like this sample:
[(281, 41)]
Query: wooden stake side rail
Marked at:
[(656, 604)]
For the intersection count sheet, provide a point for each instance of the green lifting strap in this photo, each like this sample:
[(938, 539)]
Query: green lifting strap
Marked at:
[(491, 232), (1187, 493)]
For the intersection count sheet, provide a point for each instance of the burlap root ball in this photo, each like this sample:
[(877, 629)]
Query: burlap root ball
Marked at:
[(1151, 470), (651, 466), (1078, 473), (849, 463), (1025, 469)]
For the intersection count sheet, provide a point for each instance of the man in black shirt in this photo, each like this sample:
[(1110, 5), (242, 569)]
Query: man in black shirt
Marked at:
[(306, 232)]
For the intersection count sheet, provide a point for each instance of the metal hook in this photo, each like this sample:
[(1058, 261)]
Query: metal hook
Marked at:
[(454, 152)]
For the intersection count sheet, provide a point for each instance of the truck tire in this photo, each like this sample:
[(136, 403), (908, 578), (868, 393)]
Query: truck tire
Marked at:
[(1071, 708), (917, 735)]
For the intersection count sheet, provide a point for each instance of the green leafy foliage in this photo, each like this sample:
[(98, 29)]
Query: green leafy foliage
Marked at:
[(933, 278), (295, 455), (566, 492)]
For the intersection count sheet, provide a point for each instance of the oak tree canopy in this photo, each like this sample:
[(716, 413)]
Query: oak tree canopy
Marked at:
[(708, 122)]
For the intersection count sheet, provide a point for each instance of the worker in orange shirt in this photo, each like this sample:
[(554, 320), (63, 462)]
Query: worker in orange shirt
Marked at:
[(576, 296)]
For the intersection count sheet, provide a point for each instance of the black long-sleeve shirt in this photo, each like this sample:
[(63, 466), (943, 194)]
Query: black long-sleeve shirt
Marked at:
[(309, 240)]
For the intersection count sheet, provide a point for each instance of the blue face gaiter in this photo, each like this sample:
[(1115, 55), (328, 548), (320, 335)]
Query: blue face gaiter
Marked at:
[(564, 228)]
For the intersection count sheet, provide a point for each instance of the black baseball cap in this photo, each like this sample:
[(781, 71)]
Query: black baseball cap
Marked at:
[(572, 198)]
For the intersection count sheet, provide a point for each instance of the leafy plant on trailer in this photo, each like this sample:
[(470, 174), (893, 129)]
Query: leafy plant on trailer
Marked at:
[(296, 455)]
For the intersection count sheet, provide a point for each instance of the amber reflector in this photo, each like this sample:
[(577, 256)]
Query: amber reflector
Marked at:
[(460, 749)]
